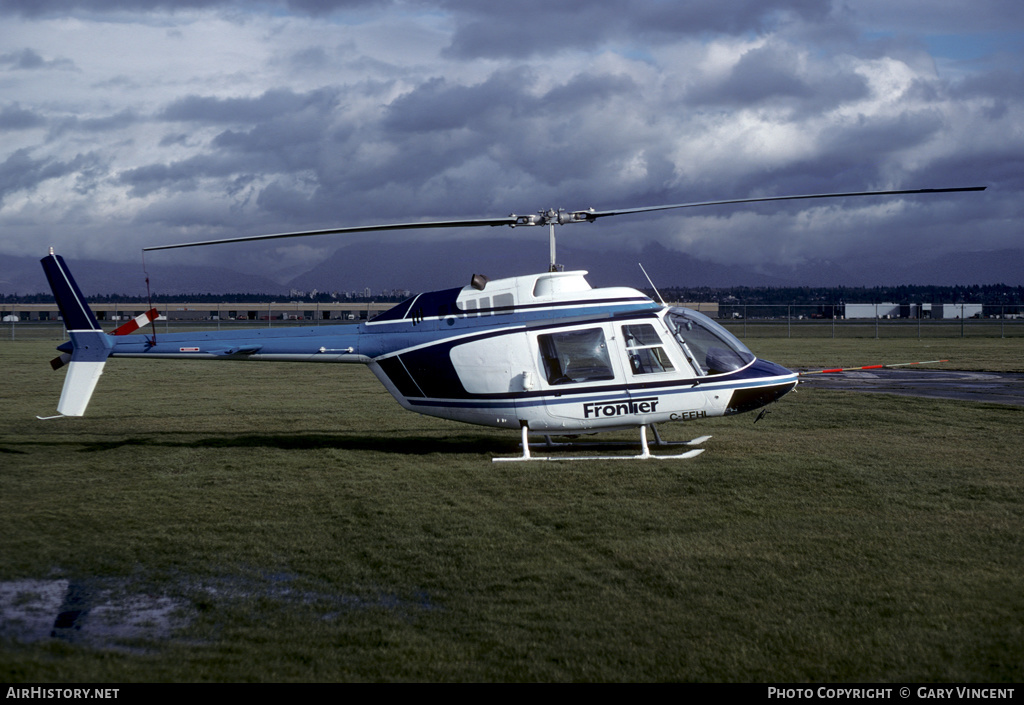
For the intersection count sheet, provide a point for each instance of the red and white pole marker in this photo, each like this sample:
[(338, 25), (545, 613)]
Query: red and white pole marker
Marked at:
[(872, 367), (143, 319)]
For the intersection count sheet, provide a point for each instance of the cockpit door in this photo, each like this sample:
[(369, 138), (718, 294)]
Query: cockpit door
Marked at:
[(646, 353), (662, 380)]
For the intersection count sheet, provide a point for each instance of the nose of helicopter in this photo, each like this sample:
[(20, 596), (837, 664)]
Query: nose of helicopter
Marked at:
[(766, 368), (779, 382)]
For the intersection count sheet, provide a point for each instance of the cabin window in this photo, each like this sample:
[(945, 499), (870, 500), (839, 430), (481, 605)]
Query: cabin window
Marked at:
[(575, 356), (645, 351)]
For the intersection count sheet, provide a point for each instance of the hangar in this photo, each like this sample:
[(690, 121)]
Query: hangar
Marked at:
[(225, 311), (893, 310)]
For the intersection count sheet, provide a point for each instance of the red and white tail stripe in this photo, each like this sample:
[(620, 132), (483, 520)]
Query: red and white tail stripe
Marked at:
[(871, 367), (139, 321)]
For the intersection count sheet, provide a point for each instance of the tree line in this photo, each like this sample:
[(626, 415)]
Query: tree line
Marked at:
[(989, 294)]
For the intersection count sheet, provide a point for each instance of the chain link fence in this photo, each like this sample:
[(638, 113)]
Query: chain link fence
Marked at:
[(55, 330), (744, 321), (872, 321)]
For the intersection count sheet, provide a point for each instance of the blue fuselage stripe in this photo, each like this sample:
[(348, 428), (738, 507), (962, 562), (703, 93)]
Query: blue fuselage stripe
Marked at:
[(608, 393)]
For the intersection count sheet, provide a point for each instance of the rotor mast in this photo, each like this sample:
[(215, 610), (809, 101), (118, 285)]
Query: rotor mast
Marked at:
[(553, 267), (551, 218)]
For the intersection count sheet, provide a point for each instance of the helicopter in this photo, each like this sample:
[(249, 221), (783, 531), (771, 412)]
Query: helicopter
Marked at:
[(542, 353)]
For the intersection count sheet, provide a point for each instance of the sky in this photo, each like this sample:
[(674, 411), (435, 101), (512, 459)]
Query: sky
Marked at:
[(131, 123)]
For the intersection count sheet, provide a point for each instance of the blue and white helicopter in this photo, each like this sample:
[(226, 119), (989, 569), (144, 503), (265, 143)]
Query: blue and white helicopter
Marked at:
[(543, 353)]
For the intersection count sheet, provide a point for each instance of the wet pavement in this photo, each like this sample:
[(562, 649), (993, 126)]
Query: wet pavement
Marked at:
[(986, 387)]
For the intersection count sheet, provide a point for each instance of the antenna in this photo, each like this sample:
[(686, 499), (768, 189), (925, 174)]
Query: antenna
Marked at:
[(652, 286)]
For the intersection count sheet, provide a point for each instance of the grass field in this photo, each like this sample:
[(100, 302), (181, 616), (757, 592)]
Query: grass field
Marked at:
[(256, 522)]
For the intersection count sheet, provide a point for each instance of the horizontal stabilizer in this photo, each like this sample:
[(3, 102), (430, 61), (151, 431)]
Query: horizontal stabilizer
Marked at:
[(59, 361)]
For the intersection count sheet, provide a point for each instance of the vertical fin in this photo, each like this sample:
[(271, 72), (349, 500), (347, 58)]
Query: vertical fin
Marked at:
[(76, 312), (90, 346)]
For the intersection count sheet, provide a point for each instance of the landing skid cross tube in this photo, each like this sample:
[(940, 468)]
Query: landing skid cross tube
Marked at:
[(644, 455)]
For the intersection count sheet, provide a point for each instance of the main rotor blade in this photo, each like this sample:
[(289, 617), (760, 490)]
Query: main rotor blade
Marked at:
[(550, 217), (593, 215), (509, 220)]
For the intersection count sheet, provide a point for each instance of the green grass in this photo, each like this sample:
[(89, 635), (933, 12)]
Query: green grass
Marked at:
[(307, 528)]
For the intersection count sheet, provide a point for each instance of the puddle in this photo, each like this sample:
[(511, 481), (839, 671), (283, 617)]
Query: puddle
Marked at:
[(29, 608), (100, 615), (118, 614)]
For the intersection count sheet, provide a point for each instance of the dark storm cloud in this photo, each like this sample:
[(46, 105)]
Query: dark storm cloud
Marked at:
[(882, 135), (776, 75), (35, 8), (21, 172), (852, 155), (518, 29), (14, 117), (222, 165), (496, 133), (107, 123), (277, 132), (439, 105), (269, 106), (1001, 165), (31, 60), (323, 7), (475, 141), (530, 27), (1000, 84), (176, 177), (254, 117)]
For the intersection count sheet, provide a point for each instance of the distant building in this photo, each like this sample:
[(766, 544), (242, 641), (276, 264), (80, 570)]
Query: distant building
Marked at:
[(953, 311), (886, 310), (913, 311)]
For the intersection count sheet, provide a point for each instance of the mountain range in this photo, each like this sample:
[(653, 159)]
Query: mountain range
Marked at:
[(427, 266)]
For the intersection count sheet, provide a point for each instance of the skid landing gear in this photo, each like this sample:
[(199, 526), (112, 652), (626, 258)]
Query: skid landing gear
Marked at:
[(644, 455)]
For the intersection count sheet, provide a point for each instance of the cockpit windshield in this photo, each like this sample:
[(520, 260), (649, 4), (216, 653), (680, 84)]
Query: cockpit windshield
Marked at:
[(710, 348)]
